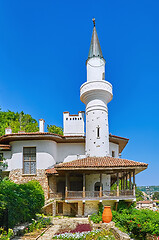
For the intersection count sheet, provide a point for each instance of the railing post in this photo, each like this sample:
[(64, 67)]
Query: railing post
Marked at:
[(84, 185), (134, 182), (126, 181), (129, 180), (117, 184), (66, 187), (100, 192)]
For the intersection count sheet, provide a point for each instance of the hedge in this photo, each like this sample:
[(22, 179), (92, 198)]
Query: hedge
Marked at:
[(19, 203)]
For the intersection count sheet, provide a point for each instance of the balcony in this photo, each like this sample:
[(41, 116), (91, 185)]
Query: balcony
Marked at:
[(94, 195)]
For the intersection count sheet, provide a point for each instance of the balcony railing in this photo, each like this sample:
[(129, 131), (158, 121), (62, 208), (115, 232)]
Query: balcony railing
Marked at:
[(113, 194)]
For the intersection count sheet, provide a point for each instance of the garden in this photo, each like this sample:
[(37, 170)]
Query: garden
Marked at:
[(137, 223), (84, 232)]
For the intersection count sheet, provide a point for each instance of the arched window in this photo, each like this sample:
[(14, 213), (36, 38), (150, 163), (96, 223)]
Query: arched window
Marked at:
[(97, 186)]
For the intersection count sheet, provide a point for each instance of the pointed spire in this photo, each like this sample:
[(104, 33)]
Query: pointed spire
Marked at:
[(95, 49)]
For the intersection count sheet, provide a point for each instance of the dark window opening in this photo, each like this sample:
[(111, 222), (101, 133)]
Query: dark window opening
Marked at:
[(98, 131), (113, 153), (97, 186), (60, 207)]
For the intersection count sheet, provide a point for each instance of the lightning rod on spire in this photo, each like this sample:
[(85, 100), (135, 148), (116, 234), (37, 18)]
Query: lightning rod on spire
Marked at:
[(94, 21)]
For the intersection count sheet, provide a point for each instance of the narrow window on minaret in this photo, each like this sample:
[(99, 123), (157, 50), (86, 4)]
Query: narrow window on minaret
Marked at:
[(103, 76), (98, 133)]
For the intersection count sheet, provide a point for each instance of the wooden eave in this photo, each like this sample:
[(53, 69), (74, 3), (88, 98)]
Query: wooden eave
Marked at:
[(4, 147), (108, 170)]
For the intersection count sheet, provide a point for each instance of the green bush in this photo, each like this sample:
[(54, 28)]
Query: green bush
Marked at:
[(96, 218), (20, 201), (4, 235), (137, 222), (42, 222)]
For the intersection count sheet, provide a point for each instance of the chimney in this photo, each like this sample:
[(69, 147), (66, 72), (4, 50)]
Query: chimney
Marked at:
[(41, 125), (8, 130)]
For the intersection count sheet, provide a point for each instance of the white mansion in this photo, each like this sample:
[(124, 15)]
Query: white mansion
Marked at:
[(78, 169)]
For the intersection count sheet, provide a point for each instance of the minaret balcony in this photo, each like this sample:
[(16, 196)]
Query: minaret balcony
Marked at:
[(96, 88)]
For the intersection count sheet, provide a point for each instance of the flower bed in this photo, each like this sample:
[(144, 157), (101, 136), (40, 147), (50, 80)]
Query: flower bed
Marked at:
[(83, 232)]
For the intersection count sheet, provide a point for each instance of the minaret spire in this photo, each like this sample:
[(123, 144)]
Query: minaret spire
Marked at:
[(96, 93), (95, 49)]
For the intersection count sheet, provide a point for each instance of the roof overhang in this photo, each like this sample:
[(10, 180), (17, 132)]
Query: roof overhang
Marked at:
[(6, 139)]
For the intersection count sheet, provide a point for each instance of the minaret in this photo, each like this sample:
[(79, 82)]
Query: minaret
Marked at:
[(96, 93)]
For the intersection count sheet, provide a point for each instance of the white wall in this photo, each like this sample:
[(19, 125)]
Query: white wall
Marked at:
[(73, 124), (95, 69), (114, 147), (46, 154), (93, 178), (67, 149)]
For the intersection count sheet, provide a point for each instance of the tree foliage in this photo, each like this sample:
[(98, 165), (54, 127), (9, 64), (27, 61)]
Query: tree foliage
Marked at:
[(139, 195), (156, 196), (17, 121), (55, 129), (20, 201)]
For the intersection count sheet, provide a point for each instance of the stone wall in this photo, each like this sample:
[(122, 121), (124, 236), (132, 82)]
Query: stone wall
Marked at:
[(17, 176), (66, 209), (91, 207)]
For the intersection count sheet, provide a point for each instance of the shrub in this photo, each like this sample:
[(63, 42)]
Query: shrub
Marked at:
[(137, 222), (42, 222), (4, 235), (20, 202), (96, 218)]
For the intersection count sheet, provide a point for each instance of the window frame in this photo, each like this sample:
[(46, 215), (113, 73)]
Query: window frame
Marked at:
[(29, 161)]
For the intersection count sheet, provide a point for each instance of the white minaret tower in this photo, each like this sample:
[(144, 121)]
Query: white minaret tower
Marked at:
[(96, 93)]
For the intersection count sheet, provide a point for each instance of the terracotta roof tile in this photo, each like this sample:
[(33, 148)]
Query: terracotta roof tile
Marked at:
[(51, 171), (100, 162)]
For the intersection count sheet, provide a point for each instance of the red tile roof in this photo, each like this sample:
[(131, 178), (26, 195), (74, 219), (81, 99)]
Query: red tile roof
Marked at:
[(51, 171), (99, 162)]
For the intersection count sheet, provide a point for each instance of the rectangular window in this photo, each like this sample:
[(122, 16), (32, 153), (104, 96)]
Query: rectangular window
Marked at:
[(98, 129), (29, 160), (113, 153)]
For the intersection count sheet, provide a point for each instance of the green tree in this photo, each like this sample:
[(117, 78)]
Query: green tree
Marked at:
[(21, 201), (156, 196), (17, 121), (55, 129), (139, 195)]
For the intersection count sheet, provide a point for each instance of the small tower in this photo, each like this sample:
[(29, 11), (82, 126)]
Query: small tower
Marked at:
[(96, 93)]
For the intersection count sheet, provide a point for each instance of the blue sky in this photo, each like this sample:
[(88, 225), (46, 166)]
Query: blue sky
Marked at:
[(43, 49)]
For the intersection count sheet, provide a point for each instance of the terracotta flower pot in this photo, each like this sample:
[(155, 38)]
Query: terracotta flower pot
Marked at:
[(107, 214)]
